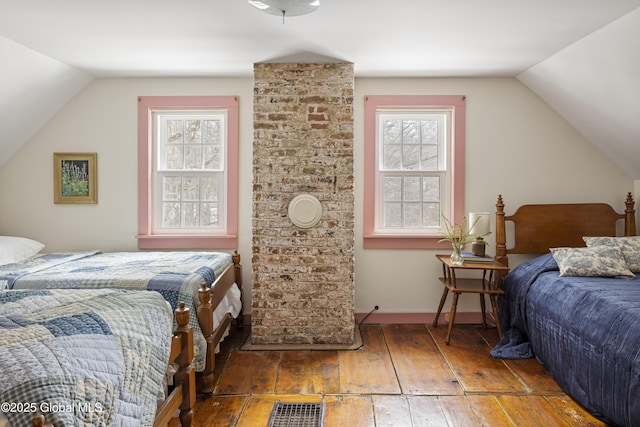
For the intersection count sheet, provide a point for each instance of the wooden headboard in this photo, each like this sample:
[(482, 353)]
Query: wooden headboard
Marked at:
[(540, 227)]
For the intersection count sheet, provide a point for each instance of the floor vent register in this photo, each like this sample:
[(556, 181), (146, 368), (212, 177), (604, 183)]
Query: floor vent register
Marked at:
[(290, 414)]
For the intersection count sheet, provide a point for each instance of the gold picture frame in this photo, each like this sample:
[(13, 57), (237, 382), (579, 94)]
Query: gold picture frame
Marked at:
[(75, 178)]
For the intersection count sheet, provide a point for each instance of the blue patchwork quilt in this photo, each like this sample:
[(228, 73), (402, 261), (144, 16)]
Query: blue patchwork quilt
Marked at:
[(585, 330), (91, 358), (177, 276)]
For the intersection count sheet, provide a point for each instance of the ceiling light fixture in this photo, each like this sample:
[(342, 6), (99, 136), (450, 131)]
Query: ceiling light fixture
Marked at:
[(286, 7)]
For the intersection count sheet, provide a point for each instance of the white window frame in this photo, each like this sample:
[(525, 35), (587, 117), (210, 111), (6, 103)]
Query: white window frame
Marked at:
[(443, 170), (375, 235), (150, 234), (159, 120)]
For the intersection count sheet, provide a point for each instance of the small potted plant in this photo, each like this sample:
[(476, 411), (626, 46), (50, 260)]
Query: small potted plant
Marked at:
[(458, 235)]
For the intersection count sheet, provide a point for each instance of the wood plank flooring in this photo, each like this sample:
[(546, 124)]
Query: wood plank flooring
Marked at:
[(403, 375)]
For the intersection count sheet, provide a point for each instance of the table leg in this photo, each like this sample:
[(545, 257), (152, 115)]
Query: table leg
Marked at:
[(496, 316), (484, 311), (442, 300), (452, 316)]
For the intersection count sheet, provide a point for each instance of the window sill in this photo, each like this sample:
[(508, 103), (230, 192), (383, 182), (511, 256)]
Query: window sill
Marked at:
[(400, 241), (187, 242)]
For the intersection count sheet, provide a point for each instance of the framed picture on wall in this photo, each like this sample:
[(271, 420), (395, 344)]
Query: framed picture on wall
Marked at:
[(75, 178)]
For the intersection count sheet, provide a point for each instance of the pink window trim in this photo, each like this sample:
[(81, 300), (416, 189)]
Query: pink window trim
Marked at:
[(372, 104), (146, 240)]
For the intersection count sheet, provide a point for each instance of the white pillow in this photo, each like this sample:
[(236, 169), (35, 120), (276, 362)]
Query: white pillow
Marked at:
[(16, 249)]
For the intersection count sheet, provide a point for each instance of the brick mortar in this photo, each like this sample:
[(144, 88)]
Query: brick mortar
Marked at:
[(303, 279)]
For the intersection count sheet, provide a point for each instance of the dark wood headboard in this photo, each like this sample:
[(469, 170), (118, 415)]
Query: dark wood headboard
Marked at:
[(540, 227)]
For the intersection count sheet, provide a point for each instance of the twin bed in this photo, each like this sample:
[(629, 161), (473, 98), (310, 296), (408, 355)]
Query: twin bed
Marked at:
[(576, 307), (98, 305)]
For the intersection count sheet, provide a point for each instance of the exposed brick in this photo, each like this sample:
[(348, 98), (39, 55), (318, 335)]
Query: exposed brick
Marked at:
[(303, 286)]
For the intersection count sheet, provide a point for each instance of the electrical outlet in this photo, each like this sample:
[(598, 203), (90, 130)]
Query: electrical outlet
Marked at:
[(446, 317)]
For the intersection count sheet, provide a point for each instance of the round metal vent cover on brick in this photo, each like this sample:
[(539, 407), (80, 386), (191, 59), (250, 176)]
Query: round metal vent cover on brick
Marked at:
[(305, 210)]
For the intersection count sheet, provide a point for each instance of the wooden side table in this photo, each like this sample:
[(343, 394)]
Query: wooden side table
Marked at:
[(489, 284)]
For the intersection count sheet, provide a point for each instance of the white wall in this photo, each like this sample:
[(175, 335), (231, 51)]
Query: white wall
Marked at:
[(516, 146), (51, 84), (103, 119), (594, 85)]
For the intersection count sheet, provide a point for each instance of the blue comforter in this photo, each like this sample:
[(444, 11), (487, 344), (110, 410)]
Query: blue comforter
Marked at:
[(585, 330), (89, 358), (177, 276)]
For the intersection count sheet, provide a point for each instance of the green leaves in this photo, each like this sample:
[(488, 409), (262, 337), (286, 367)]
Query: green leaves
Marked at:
[(458, 234)]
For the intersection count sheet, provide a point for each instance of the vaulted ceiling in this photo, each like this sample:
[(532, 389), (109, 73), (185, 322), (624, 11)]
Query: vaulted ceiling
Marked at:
[(580, 56)]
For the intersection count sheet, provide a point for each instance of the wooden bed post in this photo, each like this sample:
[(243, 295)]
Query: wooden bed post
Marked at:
[(213, 333), (185, 377), (183, 395), (237, 268), (629, 217), (205, 318), (501, 234), (38, 421)]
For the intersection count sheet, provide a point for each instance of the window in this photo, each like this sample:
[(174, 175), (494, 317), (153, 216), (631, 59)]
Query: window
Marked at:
[(187, 172), (414, 169)]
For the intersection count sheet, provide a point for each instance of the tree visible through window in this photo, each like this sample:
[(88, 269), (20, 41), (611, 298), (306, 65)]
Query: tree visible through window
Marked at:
[(414, 168), (188, 151), (190, 171)]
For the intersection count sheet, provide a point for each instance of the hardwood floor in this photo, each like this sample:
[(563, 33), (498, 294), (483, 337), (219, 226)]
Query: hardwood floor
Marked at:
[(403, 375)]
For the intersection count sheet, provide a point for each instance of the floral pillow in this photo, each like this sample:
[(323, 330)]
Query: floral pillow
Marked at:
[(630, 247), (599, 261)]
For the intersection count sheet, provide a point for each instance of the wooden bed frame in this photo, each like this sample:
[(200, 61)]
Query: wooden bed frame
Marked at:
[(209, 299), (537, 228), (540, 227), (183, 395)]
